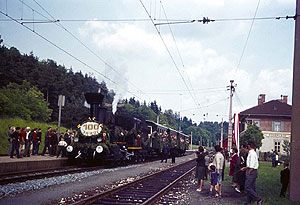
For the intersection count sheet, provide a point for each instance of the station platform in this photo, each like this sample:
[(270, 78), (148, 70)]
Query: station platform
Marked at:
[(13, 165)]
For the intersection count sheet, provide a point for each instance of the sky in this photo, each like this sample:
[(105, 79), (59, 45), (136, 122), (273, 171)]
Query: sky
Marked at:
[(185, 67)]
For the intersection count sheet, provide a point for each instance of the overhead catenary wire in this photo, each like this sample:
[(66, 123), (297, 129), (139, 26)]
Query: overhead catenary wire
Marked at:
[(90, 20), (239, 100), (66, 52), (207, 20), (89, 49), (23, 3), (171, 21), (246, 42), (173, 37), (177, 49), (168, 51)]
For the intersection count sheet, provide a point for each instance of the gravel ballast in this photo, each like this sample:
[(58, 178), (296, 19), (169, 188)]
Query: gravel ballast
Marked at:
[(45, 191)]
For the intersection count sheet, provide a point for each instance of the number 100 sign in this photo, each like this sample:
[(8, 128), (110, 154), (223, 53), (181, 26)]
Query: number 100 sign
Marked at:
[(90, 128)]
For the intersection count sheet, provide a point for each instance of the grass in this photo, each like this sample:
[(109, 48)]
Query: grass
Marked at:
[(17, 122), (195, 147), (268, 184)]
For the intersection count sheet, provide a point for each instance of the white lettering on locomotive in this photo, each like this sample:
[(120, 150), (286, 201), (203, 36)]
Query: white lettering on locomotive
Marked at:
[(90, 128)]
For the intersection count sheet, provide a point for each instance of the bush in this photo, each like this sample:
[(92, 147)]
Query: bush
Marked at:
[(23, 101)]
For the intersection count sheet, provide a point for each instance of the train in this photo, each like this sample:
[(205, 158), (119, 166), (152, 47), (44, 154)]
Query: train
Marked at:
[(114, 138)]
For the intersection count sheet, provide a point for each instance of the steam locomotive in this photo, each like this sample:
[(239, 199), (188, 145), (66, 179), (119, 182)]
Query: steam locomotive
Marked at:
[(109, 138)]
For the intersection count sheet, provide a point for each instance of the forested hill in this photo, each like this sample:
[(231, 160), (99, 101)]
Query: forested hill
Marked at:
[(18, 73), (52, 80)]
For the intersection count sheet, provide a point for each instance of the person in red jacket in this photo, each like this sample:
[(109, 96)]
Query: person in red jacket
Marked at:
[(233, 160), (35, 142)]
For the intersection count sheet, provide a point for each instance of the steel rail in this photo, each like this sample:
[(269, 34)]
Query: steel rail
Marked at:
[(43, 173), (157, 196), (8, 174), (99, 196)]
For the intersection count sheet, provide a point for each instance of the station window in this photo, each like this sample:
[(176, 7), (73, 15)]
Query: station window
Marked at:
[(277, 147), (256, 122), (277, 126)]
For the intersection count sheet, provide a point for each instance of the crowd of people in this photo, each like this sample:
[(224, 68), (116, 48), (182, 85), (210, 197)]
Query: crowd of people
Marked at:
[(26, 141), (243, 169), (275, 159), (166, 150)]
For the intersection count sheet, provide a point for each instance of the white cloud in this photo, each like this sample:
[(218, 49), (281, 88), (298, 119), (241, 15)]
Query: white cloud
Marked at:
[(150, 67), (123, 38)]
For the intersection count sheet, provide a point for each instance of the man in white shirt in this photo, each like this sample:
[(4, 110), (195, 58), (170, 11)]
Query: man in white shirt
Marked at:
[(28, 141), (251, 175)]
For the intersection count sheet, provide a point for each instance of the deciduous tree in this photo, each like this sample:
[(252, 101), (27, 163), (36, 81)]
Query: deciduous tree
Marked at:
[(252, 134)]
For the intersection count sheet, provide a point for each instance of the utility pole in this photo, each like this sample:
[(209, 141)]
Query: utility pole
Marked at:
[(179, 127), (221, 143), (61, 103), (295, 135), (231, 87), (191, 140)]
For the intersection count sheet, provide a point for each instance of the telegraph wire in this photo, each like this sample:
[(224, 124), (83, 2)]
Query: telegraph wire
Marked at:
[(183, 92), (66, 52), (164, 43), (206, 105), (195, 93), (95, 54), (186, 90)]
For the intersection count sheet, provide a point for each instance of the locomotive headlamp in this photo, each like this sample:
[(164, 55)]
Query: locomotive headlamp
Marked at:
[(99, 149), (69, 148), (76, 139), (99, 139)]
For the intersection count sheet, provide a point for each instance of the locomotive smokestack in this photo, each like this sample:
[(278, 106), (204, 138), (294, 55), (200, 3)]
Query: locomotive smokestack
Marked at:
[(96, 101)]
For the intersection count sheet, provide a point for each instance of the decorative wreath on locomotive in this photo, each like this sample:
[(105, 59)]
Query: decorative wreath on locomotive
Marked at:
[(116, 138)]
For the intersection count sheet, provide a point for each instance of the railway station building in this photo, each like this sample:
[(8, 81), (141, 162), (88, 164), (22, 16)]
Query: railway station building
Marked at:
[(274, 120)]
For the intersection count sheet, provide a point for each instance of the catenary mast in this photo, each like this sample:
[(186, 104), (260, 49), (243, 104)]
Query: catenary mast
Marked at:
[(295, 135)]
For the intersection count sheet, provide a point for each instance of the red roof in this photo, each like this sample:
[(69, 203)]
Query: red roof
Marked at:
[(273, 108)]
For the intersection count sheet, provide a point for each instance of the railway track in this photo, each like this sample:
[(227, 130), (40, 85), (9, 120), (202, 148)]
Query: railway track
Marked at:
[(146, 190), (51, 172), (38, 174)]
